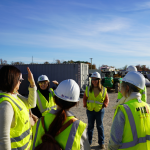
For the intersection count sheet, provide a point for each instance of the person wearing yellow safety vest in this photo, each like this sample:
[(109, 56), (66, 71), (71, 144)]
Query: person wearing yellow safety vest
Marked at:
[(74, 136), (15, 126), (130, 128), (143, 92), (95, 99), (45, 96)]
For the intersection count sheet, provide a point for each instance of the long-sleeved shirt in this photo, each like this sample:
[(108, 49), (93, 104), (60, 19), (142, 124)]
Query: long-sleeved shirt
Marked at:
[(117, 127), (7, 117)]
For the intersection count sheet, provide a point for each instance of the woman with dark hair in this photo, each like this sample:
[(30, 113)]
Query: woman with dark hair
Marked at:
[(95, 99), (74, 136), (15, 127), (45, 94)]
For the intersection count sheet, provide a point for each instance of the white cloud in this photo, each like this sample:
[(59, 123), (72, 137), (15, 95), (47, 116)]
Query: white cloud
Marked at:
[(98, 6), (142, 6), (138, 6)]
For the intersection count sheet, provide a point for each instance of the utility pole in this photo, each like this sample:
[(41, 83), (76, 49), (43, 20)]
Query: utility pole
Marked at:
[(91, 62), (32, 59)]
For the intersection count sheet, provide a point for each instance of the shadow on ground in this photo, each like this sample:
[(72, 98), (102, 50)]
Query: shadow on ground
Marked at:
[(95, 147)]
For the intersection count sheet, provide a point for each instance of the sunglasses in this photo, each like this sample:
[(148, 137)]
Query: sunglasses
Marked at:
[(43, 83), (95, 79)]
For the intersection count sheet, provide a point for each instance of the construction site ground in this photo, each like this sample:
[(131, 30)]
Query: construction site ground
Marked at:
[(80, 113)]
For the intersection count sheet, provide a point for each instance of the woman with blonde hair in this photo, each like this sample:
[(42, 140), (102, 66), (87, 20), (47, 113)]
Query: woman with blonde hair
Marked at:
[(95, 99), (130, 128)]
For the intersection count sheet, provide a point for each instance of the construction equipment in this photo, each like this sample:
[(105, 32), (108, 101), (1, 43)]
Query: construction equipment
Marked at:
[(111, 80)]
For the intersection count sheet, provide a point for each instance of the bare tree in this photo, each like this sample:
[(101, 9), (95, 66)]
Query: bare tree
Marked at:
[(58, 61), (3, 62), (125, 67), (17, 63)]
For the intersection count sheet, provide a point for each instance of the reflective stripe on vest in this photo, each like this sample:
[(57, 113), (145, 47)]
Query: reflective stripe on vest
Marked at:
[(22, 136), (1, 96), (92, 101), (143, 92), (70, 138), (136, 140), (51, 92), (23, 147), (72, 134), (40, 104), (37, 126)]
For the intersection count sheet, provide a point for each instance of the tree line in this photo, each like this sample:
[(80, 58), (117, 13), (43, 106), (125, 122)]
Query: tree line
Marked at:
[(93, 66)]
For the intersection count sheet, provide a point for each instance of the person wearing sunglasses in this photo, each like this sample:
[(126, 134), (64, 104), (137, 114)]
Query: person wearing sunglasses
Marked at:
[(95, 99), (45, 96), (15, 125)]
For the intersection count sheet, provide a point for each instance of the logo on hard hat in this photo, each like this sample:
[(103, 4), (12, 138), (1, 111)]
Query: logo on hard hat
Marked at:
[(94, 74), (41, 78), (70, 97), (66, 97), (62, 95)]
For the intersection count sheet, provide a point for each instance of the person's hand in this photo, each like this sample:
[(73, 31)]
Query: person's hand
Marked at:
[(55, 82), (84, 105), (35, 118), (30, 77)]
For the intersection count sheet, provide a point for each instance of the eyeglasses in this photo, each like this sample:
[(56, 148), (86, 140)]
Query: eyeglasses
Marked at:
[(45, 83), (20, 80)]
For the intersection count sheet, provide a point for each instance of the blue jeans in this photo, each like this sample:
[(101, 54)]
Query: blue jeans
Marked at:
[(98, 116)]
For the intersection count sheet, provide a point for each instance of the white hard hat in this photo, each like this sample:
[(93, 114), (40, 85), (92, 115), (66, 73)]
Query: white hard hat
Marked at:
[(135, 78), (68, 90), (131, 68), (96, 75), (43, 78)]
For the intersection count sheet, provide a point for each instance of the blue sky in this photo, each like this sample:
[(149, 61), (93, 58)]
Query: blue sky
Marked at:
[(112, 32)]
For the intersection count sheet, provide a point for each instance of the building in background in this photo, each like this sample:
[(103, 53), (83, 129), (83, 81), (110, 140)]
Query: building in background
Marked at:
[(58, 72)]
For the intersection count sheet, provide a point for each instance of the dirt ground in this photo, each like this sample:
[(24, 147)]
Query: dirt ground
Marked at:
[(80, 113)]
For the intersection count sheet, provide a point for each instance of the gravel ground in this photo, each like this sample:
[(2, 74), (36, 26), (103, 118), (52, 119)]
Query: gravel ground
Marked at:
[(80, 113)]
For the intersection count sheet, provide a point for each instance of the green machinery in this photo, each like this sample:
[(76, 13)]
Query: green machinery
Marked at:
[(111, 80)]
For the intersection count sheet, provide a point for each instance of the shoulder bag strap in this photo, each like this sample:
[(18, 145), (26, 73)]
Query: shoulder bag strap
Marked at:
[(43, 125), (62, 128), (66, 125)]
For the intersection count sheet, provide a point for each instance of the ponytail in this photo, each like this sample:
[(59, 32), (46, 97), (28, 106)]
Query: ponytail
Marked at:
[(60, 116)]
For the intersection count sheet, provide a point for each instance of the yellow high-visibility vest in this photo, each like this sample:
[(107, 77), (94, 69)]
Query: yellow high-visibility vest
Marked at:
[(20, 134), (43, 105), (95, 103), (136, 135), (68, 139)]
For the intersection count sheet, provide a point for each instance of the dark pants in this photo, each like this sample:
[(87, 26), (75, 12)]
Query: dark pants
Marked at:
[(98, 116)]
